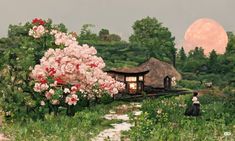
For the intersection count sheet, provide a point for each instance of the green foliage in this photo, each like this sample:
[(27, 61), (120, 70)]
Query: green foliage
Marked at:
[(106, 37), (20, 53), (220, 68), (83, 126), (196, 60), (197, 53), (103, 34), (87, 34), (213, 61), (217, 117), (106, 99), (155, 38), (143, 128), (182, 54), (191, 84), (231, 43)]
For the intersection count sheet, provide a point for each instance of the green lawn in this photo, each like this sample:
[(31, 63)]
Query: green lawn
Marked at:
[(83, 126), (162, 119)]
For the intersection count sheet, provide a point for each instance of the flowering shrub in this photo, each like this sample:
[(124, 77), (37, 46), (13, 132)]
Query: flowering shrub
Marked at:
[(37, 31), (63, 74)]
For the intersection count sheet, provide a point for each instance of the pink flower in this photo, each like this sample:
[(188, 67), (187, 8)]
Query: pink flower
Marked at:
[(71, 99), (48, 95), (68, 68), (74, 65), (52, 91), (74, 89), (37, 87), (37, 31)]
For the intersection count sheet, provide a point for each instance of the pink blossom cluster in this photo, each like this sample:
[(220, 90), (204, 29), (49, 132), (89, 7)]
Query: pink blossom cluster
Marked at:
[(63, 38), (74, 69), (37, 31)]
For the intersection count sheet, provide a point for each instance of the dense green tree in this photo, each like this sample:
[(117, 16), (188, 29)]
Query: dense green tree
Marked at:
[(87, 34), (197, 53), (182, 54), (114, 37), (196, 61), (227, 61), (155, 38), (103, 34), (213, 61), (230, 49)]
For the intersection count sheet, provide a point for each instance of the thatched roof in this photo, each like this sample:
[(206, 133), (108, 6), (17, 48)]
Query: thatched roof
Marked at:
[(133, 70), (158, 70)]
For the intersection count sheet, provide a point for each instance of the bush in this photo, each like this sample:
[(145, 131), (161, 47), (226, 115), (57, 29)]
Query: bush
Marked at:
[(191, 84), (67, 71), (16, 63), (106, 99), (217, 117), (143, 128)]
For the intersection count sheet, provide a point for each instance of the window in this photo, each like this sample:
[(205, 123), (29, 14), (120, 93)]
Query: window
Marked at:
[(132, 88), (141, 78), (131, 78)]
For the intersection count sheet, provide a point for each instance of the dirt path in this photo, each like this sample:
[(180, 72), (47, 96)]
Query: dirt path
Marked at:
[(120, 112), (3, 138)]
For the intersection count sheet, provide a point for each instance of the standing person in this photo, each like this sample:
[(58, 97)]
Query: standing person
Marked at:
[(194, 110)]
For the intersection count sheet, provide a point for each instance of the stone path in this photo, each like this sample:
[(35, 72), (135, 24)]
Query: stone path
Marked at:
[(114, 134), (3, 138)]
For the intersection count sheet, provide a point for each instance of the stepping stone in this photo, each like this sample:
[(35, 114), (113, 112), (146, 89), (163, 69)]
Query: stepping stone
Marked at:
[(116, 116), (113, 134), (137, 113), (3, 138)]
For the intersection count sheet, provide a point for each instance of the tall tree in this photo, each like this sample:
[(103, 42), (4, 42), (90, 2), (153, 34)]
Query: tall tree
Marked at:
[(114, 37), (182, 54), (87, 34), (231, 43), (157, 39), (197, 53), (213, 61), (196, 61), (103, 34)]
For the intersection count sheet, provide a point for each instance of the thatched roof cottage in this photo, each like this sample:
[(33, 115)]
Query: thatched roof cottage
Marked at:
[(153, 73)]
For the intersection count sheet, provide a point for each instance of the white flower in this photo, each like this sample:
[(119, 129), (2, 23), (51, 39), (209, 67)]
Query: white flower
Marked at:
[(42, 103), (159, 111), (51, 91), (66, 90), (227, 133)]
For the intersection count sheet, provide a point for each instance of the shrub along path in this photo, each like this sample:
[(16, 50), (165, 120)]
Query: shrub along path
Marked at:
[(119, 113)]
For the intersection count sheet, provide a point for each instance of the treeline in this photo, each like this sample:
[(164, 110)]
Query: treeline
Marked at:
[(219, 69)]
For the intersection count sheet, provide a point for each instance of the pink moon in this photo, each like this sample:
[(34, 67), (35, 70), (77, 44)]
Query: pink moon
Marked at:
[(208, 34)]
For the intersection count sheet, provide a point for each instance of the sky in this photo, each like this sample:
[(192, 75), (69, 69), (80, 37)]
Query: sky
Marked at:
[(118, 15)]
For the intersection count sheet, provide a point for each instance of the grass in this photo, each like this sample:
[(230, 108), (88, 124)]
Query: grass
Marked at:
[(171, 124), (83, 126)]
